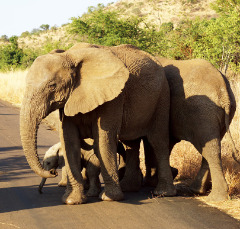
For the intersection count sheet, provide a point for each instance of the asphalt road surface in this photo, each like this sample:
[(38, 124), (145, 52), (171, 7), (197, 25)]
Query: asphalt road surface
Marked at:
[(21, 206)]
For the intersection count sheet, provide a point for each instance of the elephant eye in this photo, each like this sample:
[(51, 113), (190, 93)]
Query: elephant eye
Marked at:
[(48, 163), (52, 86)]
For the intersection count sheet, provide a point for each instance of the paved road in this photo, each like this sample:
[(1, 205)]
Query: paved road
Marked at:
[(21, 206)]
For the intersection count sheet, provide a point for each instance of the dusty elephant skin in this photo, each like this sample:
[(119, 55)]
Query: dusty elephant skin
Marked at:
[(202, 107), (105, 94), (53, 159)]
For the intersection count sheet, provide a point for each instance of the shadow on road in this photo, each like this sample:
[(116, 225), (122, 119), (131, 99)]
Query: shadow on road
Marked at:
[(27, 197)]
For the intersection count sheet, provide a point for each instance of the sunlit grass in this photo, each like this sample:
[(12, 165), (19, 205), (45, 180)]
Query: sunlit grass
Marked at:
[(12, 86)]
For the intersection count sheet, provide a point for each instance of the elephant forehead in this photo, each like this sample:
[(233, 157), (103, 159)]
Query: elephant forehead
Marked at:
[(52, 151), (43, 67)]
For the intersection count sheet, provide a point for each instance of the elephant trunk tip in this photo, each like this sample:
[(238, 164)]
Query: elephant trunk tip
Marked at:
[(53, 172), (48, 174)]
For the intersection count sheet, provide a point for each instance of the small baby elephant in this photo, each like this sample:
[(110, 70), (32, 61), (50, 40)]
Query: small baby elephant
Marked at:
[(90, 165)]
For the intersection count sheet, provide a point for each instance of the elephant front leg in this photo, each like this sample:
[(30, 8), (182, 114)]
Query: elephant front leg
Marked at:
[(106, 147), (69, 135)]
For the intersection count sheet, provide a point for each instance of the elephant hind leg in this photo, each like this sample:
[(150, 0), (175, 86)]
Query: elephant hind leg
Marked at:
[(150, 178), (132, 179), (107, 154), (212, 153), (165, 186), (93, 172), (202, 182)]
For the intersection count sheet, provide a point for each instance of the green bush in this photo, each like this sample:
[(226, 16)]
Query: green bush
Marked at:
[(216, 40), (11, 56)]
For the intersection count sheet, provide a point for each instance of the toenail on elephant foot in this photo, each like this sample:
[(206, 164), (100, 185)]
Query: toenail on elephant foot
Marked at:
[(74, 197), (111, 196)]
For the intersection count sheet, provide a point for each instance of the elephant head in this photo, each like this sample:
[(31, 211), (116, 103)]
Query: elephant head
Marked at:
[(76, 81), (53, 159)]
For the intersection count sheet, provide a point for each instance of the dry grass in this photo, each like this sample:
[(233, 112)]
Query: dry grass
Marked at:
[(12, 86), (184, 155)]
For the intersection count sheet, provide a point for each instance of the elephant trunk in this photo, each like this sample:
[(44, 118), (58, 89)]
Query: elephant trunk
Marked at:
[(31, 115), (41, 185)]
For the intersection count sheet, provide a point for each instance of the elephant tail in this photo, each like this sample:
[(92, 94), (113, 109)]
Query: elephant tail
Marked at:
[(228, 103), (235, 152)]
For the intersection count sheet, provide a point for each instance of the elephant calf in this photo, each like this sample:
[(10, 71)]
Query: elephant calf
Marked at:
[(90, 167)]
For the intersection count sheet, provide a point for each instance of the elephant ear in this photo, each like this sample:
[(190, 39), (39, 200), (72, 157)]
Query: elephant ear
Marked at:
[(101, 77)]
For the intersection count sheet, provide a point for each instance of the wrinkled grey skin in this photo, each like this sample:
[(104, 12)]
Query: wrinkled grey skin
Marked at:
[(53, 159), (104, 93), (202, 107)]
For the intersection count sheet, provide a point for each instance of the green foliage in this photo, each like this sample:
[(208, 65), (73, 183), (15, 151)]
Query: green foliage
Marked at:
[(49, 46), (107, 28), (45, 27), (25, 34), (35, 31), (11, 55), (4, 38), (224, 7), (216, 40)]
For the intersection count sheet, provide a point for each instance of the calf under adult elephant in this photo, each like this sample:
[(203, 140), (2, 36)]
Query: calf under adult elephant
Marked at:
[(202, 107), (104, 93)]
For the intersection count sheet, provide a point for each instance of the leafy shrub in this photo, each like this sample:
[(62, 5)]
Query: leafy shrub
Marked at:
[(11, 56), (4, 38), (107, 28), (25, 34), (45, 27)]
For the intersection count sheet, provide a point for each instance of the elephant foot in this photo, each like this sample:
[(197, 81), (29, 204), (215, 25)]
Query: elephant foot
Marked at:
[(150, 181), (93, 192), (94, 189), (216, 197), (74, 196), (62, 183), (199, 188), (165, 190), (131, 184), (113, 195)]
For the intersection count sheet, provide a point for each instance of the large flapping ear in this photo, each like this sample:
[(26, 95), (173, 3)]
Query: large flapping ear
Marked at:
[(101, 78)]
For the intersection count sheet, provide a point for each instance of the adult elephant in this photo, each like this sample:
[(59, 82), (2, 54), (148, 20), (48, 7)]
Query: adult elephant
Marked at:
[(103, 93), (202, 107)]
